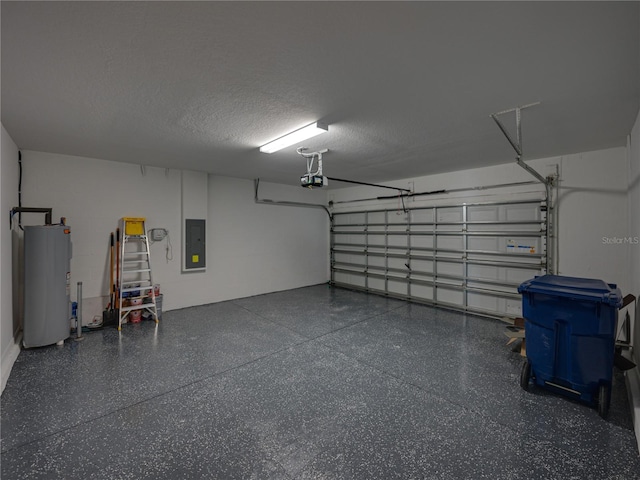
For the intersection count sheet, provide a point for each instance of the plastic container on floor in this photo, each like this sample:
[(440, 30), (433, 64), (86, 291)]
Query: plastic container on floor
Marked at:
[(136, 301), (135, 316), (570, 334)]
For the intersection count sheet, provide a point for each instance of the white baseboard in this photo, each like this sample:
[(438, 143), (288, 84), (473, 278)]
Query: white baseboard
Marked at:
[(9, 357), (633, 387)]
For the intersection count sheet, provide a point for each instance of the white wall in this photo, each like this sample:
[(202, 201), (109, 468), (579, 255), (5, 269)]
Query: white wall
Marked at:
[(254, 248), (634, 227), (591, 204), (8, 199), (195, 204), (633, 260), (251, 249)]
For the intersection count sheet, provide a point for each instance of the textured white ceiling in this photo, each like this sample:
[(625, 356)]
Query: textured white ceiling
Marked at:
[(406, 87)]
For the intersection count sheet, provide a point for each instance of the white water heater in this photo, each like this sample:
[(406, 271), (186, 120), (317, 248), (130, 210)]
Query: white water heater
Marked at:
[(47, 275)]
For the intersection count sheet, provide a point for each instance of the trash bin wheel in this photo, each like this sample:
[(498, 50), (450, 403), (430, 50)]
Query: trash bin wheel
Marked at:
[(525, 375), (603, 400)]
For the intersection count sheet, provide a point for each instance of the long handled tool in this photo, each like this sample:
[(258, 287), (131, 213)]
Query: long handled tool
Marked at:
[(117, 287), (111, 284)]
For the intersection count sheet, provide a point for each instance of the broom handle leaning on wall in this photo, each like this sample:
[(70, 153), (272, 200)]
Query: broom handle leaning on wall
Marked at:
[(117, 288)]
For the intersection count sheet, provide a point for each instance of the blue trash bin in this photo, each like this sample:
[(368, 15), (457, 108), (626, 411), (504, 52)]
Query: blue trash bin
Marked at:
[(570, 326)]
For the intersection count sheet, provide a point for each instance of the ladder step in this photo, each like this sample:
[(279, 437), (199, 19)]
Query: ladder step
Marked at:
[(136, 253), (137, 283), (145, 306), (135, 289), (137, 270)]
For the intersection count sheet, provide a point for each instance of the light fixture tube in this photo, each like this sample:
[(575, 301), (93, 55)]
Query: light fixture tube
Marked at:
[(294, 137)]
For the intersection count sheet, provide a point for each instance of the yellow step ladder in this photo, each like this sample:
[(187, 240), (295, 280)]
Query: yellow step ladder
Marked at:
[(136, 282)]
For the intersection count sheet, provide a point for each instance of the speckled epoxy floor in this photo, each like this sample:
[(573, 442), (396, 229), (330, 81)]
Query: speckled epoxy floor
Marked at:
[(309, 383)]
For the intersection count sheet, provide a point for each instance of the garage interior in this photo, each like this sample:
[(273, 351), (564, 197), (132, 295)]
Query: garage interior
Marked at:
[(353, 330)]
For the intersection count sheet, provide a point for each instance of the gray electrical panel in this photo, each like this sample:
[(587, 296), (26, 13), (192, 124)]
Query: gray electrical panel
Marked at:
[(195, 244), (47, 271)]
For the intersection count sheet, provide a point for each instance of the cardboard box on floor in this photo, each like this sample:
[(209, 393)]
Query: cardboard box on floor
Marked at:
[(515, 332)]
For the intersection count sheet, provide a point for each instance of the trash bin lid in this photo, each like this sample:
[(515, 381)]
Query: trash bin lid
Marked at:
[(574, 288)]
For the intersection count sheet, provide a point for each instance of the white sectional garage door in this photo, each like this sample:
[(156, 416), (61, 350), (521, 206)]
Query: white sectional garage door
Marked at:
[(470, 257)]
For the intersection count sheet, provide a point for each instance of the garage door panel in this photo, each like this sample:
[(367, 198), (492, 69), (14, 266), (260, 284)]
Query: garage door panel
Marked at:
[(349, 239), (449, 214), (518, 275), (449, 295), (397, 241), (421, 216), (377, 284), (422, 292), (376, 230), (376, 217), (450, 242), (349, 219), (398, 263), (483, 302), (491, 244), (466, 256), (422, 241), (523, 245), (377, 261), (425, 266), (482, 213), (376, 241), (448, 268), (397, 218), (522, 212), (397, 229), (484, 271), (349, 279), (345, 258), (397, 287)]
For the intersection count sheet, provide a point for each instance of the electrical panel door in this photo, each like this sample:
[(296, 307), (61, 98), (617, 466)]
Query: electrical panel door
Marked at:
[(195, 244)]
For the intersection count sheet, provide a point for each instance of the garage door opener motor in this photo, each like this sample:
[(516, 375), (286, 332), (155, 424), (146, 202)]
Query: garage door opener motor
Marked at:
[(312, 179)]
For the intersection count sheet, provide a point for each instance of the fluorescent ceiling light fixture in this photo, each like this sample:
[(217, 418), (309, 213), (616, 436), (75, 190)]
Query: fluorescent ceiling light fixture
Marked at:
[(295, 137)]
